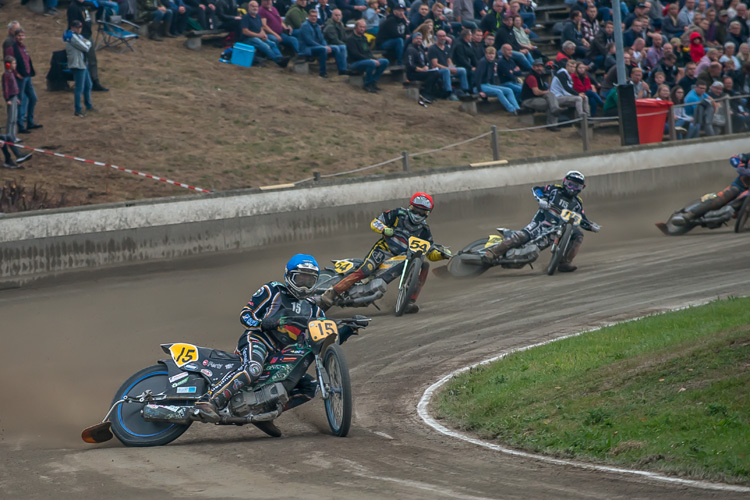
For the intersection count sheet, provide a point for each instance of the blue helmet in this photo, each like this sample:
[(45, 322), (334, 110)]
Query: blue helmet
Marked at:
[(739, 165), (301, 274)]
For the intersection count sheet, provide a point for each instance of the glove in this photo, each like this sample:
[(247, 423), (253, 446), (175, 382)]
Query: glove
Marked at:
[(446, 253), (595, 227), (67, 36), (543, 204), (388, 232)]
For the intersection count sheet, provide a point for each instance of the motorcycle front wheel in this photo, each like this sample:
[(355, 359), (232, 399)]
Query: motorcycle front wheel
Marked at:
[(409, 286), (460, 268), (560, 250), (742, 215), (339, 402), (127, 423)]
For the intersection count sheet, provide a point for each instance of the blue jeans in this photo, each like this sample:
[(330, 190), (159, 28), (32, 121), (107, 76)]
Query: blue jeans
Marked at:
[(395, 45), (28, 103), (287, 40), (322, 54), (340, 55), (503, 94), (460, 73), (268, 48), (83, 86), (515, 87), (594, 101), (50, 4), (523, 61), (158, 16), (372, 71)]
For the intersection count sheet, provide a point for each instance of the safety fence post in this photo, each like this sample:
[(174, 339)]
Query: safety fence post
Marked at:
[(585, 131), (728, 114), (495, 150), (316, 175), (405, 160), (670, 120)]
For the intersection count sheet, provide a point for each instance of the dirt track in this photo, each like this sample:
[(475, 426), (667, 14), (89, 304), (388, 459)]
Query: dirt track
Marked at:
[(68, 346)]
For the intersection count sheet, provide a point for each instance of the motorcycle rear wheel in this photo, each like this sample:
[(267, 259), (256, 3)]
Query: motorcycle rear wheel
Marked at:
[(459, 269), (560, 250), (127, 423), (742, 215), (339, 402), (409, 286)]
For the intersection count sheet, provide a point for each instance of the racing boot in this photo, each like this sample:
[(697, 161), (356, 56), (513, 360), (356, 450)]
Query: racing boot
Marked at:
[(566, 265), (497, 251), (327, 299), (207, 411), (411, 308), (268, 427)]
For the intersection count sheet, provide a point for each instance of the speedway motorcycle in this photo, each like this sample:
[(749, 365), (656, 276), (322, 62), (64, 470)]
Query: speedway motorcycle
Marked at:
[(739, 209), (156, 405), (468, 262), (373, 287)]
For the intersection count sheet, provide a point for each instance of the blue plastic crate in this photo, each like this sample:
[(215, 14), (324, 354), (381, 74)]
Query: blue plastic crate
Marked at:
[(242, 55)]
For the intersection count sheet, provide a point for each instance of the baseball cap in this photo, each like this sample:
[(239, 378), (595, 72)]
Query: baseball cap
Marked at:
[(723, 12), (717, 84)]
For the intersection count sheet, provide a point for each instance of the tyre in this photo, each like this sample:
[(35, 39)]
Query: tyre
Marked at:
[(127, 423), (560, 250), (339, 402), (459, 267), (742, 216), (409, 286)]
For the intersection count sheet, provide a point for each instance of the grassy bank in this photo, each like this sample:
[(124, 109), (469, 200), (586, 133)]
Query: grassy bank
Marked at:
[(667, 393)]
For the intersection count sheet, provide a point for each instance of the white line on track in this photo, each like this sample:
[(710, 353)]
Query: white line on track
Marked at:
[(424, 402)]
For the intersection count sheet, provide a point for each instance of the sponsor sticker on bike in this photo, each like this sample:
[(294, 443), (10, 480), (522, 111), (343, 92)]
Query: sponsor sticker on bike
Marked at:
[(183, 354), (321, 329), (178, 377), (493, 240), (186, 390)]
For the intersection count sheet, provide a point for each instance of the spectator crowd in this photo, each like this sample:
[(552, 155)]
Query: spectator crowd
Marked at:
[(688, 52)]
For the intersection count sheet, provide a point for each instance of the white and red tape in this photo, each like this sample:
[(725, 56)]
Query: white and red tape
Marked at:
[(101, 164)]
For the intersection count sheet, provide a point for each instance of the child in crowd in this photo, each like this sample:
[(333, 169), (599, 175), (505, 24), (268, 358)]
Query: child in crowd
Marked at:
[(10, 93), (372, 17)]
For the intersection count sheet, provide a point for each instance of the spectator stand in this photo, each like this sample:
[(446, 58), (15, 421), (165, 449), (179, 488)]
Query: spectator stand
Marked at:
[(549, 14), (194, 39)]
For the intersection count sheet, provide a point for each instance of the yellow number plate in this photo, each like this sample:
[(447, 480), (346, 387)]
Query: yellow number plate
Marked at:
[(183, 354), (342, 266), (567, 215), (494, 240), (417, 244), (320, 329)]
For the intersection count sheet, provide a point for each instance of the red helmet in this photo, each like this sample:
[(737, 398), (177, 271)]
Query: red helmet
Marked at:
[(420, 205)]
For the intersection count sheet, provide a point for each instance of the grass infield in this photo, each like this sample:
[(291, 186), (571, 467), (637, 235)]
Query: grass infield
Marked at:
[(667, 393)]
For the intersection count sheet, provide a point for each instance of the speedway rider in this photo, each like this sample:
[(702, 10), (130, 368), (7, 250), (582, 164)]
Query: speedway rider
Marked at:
[(396, 226), (274, 318), (720, 199), (551, 198)]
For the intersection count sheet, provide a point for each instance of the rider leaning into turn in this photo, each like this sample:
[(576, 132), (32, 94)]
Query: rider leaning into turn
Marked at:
[(274, 318), (555, 198), (396, 226), (720, 199)]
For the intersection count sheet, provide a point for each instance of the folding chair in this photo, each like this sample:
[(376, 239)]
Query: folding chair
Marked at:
[(111, 35)]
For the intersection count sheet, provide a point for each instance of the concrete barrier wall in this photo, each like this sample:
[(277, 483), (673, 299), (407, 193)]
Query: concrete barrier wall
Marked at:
[(39, 243)]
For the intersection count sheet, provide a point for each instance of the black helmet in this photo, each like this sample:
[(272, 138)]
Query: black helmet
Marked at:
[(574, 182)]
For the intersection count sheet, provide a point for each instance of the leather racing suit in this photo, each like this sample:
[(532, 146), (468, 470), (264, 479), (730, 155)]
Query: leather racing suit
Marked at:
[(558, 200), (390, 246), (714, 201), (266, 333)]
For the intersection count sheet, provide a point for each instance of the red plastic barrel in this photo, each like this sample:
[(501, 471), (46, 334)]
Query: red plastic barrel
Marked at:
[(652, 115)]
